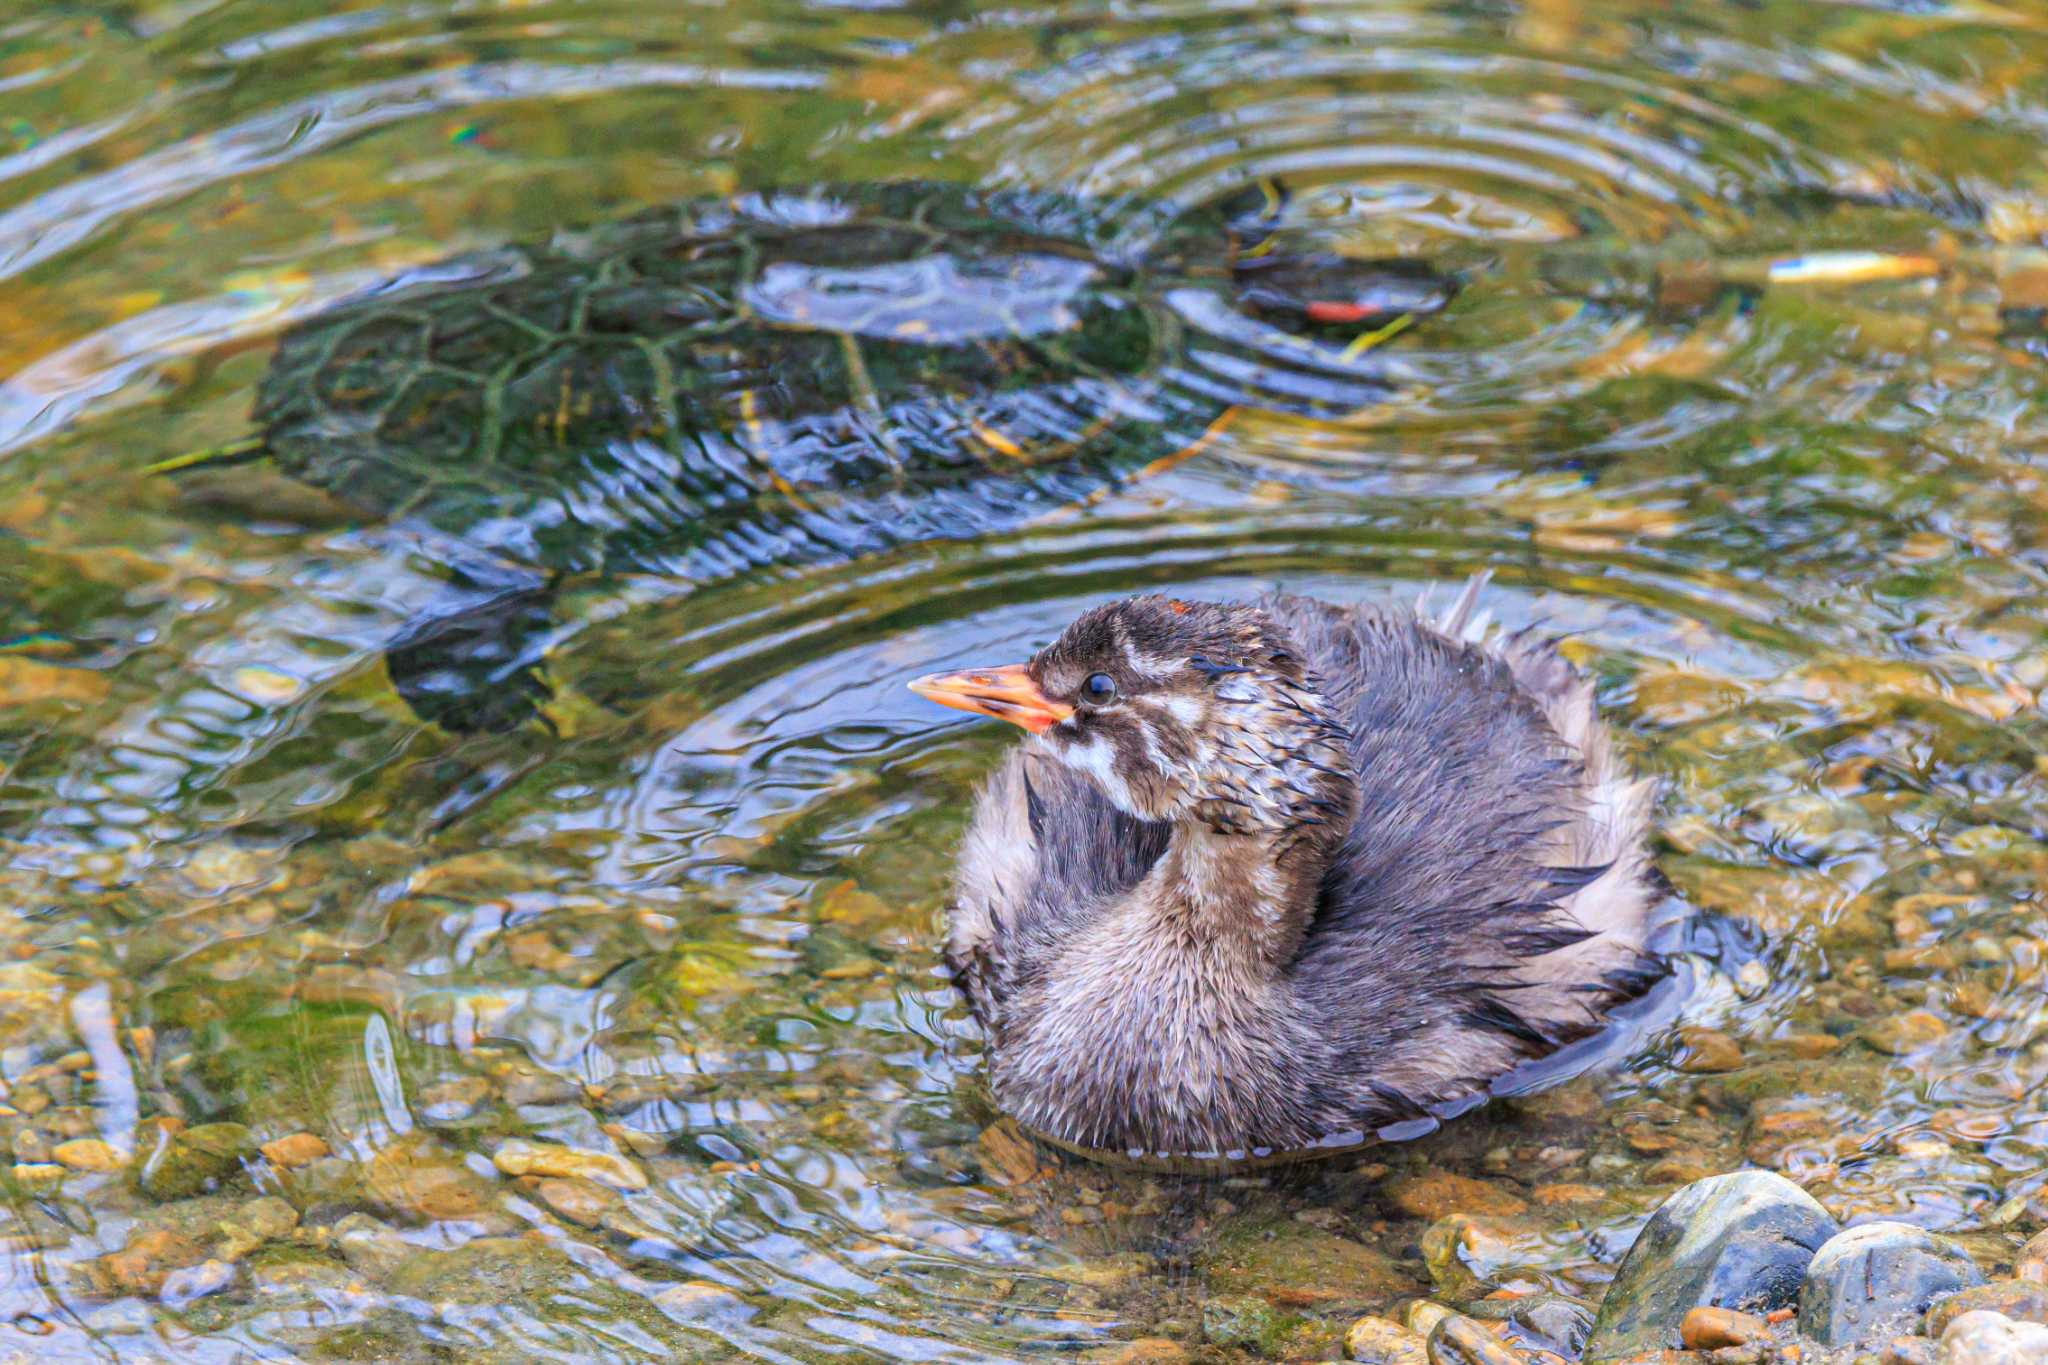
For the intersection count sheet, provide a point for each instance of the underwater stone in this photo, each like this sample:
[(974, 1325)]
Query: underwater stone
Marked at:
[(1869, 1277), (372, 1249), (1437, 1194), (193, 1283), (1742, 1240), (520, 1157), (1458, 1340), (1380, 1342)]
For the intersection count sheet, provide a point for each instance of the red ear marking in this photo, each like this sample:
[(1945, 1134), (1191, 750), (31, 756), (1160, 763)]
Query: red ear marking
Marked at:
[(1324, 310)]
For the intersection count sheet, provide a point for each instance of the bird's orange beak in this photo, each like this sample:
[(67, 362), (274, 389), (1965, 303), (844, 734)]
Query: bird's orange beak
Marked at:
[(1007, 693)]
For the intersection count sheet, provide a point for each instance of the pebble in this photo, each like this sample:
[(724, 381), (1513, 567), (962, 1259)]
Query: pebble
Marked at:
[(1868, 1278), (1707, 1329), (1984, 1338), (1437, 1194), (1899, 1034), (294, 1150), (519, 1157), (1705, 1050), (2032, 1262), (1742, 1240), (88, 1154), (1380, 1342)]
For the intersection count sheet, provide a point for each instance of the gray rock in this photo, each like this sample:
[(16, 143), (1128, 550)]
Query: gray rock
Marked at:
[(1873, 1277), (1983, 1338), (1729, 1241)]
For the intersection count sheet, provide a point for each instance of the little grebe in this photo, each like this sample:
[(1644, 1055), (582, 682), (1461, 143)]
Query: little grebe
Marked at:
[(1269, 873)]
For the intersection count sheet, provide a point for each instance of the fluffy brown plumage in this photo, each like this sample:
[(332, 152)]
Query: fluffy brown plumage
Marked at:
[(1270, 873)]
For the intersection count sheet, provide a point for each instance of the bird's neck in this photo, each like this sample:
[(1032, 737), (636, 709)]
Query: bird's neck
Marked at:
[(1250, 896)]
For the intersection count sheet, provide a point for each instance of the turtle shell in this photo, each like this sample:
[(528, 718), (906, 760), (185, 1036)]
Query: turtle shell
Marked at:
[(772, 378)]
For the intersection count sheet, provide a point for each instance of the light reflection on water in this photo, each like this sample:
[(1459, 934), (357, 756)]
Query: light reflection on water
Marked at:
[(1794, 529)]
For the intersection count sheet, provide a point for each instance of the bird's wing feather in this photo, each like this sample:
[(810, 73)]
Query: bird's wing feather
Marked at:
[(1497, 863)]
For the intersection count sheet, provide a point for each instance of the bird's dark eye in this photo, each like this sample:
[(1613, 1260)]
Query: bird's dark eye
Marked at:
[(1099, 688)]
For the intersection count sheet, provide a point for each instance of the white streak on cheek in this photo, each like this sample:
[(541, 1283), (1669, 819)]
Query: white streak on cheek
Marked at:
[(1186, 710), (1097, 758)]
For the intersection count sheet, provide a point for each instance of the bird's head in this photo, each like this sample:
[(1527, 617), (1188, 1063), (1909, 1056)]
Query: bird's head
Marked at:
[(1179, 711)]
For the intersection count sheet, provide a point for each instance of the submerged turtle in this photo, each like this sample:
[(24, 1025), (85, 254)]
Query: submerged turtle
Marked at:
[(782, 378)]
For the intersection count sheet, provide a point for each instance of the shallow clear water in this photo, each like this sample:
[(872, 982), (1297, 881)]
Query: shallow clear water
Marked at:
[(1743, 391)]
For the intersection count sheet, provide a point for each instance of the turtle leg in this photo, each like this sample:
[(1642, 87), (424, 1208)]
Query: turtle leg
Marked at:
[(478, 669)]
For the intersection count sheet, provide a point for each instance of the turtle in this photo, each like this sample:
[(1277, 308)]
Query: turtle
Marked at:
[(777, 377)]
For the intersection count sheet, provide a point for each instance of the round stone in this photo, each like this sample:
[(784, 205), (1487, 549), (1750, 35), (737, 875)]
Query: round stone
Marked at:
[(1873, 1277)]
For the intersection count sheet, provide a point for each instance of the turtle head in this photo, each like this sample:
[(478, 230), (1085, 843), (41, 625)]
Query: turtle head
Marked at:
[(1317, 292), (1302, 288)]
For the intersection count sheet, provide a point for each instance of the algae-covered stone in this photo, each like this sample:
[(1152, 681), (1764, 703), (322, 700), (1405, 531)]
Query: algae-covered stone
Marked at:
[(1300, 1266), (1380, 1342), (194, 1161), (1246, 1322), (1742, 1240), (1871, 1277)]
